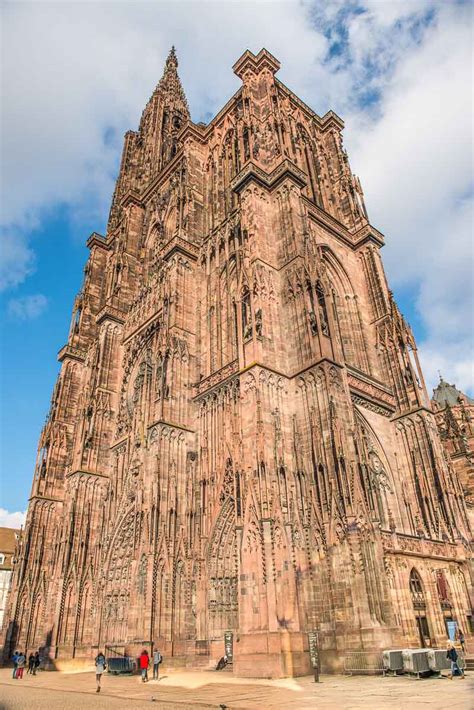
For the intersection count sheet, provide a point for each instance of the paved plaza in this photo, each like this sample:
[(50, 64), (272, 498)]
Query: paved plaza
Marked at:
[(183, 690)]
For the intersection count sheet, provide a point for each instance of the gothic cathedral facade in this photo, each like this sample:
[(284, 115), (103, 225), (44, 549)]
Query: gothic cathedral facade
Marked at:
[(240, 444)]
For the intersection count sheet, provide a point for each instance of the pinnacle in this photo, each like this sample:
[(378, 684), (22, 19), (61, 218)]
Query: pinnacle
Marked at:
[(170, 82), (172, 60)]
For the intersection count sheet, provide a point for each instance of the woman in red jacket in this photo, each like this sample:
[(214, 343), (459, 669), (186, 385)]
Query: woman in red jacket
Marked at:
[(144, 664)]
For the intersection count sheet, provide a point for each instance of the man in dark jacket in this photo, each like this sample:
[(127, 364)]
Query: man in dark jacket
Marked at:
[(31, 663), (452, 654), (37, 662), (15, 659)]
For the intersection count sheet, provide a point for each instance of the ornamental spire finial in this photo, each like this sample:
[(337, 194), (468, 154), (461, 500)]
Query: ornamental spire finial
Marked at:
[(172, 60)]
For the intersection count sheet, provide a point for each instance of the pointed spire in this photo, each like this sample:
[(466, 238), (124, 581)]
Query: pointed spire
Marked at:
[(172, 60), (170, 82)]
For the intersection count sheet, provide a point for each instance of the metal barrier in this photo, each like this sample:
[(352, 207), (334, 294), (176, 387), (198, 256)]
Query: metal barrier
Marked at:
[(121, 664), (361, 662)]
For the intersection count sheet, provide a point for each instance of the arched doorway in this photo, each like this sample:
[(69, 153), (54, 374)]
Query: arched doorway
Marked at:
[(419, 607)]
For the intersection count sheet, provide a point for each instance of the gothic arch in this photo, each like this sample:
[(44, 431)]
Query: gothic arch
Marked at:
[(85, 628), (36, 634), (170, 219), (162, 589), (418, 598), (68, 616), (346, 312), (376, 476), (21, 620), (222, 573)]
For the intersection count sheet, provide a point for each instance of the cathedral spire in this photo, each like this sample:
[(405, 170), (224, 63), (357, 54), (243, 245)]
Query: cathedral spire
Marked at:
[(172, 60), (170, 84)]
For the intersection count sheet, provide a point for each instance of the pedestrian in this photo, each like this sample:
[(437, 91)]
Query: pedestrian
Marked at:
[(31, 662), (452, 654), (20, 664), (14, 659), (462, 640), (100, 666), (157, 659), (221, 663), (37, 662), (144, 665)]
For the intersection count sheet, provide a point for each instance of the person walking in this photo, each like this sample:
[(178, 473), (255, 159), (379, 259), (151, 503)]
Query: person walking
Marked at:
[(37, 662), (20, 665), (157, 658), (144, 665), (31, 662), (452, 654), (15, 659), (462, 640), (100, 666)]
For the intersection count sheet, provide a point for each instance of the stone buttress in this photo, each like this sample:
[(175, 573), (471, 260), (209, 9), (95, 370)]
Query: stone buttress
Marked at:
[(240, 443)]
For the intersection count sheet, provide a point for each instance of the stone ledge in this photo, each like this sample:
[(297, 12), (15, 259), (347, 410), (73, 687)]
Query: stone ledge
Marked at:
[(110, 313), (71, 353), (251, 171)]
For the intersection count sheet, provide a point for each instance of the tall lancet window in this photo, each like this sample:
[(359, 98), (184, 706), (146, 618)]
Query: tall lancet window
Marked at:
[(246, 314), (323, 314)]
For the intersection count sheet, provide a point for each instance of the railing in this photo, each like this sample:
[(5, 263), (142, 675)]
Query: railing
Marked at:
[(362, 662)]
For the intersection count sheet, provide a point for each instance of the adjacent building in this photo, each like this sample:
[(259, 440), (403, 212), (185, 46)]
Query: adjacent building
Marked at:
[(8, 542), (241, 452), (454, 413)]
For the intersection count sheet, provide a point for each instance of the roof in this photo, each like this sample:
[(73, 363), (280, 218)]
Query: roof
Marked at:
[(7, 546), (445, 394)]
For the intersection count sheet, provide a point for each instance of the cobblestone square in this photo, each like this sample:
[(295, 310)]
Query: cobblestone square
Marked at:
[(55, 691)]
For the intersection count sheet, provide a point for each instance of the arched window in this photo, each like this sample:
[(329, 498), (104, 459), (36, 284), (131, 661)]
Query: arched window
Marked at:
[(416, 589), (419, 607), (245, 137), (68, 620), (323, 314), (246, 314)]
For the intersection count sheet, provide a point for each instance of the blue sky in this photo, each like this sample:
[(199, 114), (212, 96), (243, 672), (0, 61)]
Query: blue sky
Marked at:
[(76, 76)]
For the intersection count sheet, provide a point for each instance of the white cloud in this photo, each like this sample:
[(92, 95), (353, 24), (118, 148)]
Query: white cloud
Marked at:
[(27, 307), (76, 72), (16, 258), (415, 160), (11, 520)]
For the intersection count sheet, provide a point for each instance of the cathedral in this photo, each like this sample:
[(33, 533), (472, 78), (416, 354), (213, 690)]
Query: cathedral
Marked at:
[(241, 455)]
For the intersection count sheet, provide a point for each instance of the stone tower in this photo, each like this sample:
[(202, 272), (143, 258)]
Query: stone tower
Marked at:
[(454, 413), (240, 447)]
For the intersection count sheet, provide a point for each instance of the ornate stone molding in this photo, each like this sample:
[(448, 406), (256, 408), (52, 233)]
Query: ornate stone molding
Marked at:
[(71, 353), (367, 233), (80, 473), (97, 240), (177, 244), (400, 544), (371, 406), (370, 394), (110, 313), (286, 169), (255, 63), (208, 383)]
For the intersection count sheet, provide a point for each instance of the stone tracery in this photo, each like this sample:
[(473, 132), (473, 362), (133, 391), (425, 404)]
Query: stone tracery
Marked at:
[(240, 439)]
